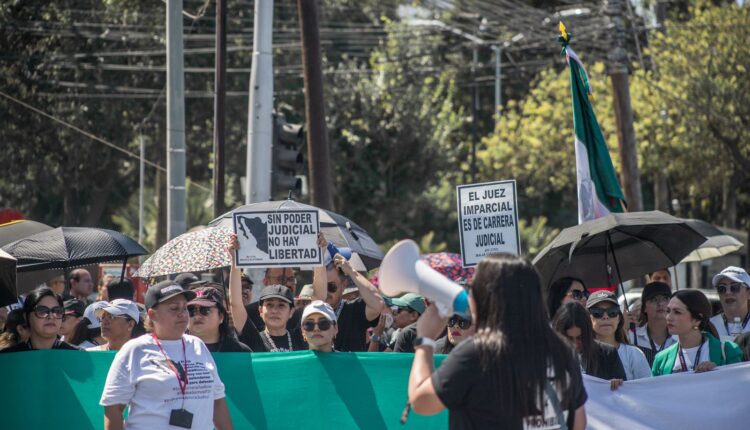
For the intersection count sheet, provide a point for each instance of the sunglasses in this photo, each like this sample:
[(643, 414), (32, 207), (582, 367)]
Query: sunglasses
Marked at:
[(332, 288), (735, 288), (42, 311), (579, 294), (323, 325), (460, 322), (203, 310), (71, 315), (598, 313)]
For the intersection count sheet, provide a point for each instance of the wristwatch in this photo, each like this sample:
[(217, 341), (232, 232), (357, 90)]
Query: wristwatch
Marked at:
[(424, 341), (376, 338)]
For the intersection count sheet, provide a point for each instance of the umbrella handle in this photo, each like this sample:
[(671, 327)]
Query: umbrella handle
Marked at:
[(124, 265), (617, 269)]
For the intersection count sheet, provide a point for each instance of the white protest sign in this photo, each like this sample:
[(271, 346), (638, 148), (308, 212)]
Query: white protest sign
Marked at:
[(281, 238), (487, 220)]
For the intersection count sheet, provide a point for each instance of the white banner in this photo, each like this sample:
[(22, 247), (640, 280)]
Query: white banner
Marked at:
[(487, 220), (277, 238), (719, 399)]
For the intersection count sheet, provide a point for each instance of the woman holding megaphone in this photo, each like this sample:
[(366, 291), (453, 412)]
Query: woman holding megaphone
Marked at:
[(515, 371)]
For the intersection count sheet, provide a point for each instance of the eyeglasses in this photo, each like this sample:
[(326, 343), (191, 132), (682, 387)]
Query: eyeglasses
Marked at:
[(735, 288), (332, 288), (598, 313), (322, 324), (203, 310), (110, 318), (460, 322), (658, 299), (578, 294), (42, 311)]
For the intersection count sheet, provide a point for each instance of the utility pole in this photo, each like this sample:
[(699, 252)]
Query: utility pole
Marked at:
[(617, 64), (260, 127), (317, 137), (498, 50), (474, 115), (176, 195), (219, 104)]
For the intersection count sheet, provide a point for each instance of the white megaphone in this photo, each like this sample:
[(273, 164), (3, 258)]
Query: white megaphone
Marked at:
[(403, 272)]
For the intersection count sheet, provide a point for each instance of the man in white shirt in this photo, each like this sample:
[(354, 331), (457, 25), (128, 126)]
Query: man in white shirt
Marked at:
[(733, 286)]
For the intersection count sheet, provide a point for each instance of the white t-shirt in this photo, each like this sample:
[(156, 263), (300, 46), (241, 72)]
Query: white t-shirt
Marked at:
[(689, 355), (721, 329), (98, 348), (634, 361), (641, 339), (141, 378)]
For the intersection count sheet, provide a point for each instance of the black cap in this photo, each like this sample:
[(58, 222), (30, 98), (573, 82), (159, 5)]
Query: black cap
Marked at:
[(653, 289), (601, 296), (74, 306), (165, 290), (277, 292), (187, 279), (120, 290), (208, 296)]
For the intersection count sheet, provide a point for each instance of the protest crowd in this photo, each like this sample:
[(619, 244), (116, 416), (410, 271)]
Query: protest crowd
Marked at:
[(518, 333)]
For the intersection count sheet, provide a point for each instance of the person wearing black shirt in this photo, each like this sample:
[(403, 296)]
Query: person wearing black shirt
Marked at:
[(44, 310), (355, 317), (597, 359), (459, 329), (209, 321), (516, 372), (409, 307)]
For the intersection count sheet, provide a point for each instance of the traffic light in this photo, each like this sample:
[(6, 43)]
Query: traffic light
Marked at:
[(288, 161)]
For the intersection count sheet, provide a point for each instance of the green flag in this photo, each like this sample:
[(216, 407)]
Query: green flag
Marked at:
[(599, 191)]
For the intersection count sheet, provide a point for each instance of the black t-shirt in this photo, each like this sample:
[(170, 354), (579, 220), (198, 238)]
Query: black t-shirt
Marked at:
[(228, 344), (443, 346), (609, 365), (474, 403), (352, 324), (253, 313), (26, 346), (259, 341), (405, 339)]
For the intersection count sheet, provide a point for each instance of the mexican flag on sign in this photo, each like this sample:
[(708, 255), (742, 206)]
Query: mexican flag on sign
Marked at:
[(599, 191)]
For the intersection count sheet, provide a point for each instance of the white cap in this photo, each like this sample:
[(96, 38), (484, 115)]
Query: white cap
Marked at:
[(736, 274), (90, 313), (121, 307), (319, 307)]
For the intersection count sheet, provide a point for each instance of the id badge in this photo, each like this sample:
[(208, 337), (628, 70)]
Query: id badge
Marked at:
[(181, 418)]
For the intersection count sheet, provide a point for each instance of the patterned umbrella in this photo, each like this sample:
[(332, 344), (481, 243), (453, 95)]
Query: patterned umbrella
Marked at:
[(447, 263), (194, 251)]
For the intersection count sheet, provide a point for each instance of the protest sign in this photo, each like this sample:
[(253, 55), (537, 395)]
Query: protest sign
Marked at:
[(487, 220), (277, 238)]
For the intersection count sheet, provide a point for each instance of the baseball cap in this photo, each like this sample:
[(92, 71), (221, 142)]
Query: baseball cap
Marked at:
[(653, 289), (276, 292), (208, 296), (306, 293), (186, 279), (121, 307), (90, 313), (319, 307), (74, 306), (410, 300), (601, 296), (165, 290), (120, 290), (736, 274)]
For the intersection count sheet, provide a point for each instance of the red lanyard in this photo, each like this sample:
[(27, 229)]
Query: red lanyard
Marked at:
[(180, 381)]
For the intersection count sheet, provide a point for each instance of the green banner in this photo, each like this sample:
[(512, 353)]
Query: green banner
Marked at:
[(295, 390)]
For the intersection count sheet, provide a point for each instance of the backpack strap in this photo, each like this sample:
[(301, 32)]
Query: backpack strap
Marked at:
[(552, 394)]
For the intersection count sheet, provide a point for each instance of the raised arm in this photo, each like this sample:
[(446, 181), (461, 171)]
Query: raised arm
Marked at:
[(239, 314), (367, 291), (320, 278)]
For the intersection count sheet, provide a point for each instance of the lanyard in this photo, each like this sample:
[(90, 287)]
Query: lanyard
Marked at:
[(339, 309), (182, 382), (697, 357), (653, 345), (744, 322)]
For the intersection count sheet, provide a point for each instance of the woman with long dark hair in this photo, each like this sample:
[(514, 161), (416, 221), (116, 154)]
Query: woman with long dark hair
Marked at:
[(514, 371), (15, 331), (698, 347), (210, 322), (43, 312), (573, 321), (651, 334), (563, 291)]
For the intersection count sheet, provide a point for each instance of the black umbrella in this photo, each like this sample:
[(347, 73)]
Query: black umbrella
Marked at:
[(617, 248), (8, 290), (16, 230), (337, 228), (66, 247)]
